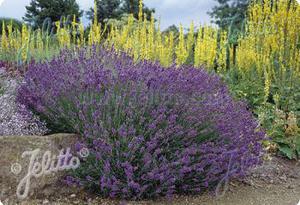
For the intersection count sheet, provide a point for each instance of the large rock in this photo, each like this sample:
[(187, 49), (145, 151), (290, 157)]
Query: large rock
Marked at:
[(14, 167)]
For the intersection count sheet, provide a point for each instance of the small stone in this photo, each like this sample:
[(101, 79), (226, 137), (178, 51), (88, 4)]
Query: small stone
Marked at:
[(2, 71), (46, 201), (73, 195), (284, 178)]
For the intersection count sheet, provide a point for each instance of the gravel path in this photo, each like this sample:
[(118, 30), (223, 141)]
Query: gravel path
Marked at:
[(15, 119)]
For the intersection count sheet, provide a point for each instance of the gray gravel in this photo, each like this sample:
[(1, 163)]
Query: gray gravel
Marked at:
[(12, 122)]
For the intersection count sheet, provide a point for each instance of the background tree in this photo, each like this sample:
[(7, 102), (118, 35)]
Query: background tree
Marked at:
[(106, 9), (40, 10), (115, 9), (173, 28), (132, 6), (230, 13)]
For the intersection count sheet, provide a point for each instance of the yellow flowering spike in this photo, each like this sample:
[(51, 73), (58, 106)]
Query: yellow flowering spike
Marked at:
[(181, 50), (39, 41), (140, 11), (74, 30), (25, 42), (81, 33), (4, 40), (267, 86), (150, 40), (191, 40), (206, 47), (222, 55), (95, 13), (197, 54)]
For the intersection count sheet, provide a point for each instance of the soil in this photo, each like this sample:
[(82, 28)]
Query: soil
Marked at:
[(276, 182)]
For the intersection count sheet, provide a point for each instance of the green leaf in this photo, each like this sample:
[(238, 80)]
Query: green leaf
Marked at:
[(298, 144), (287, 151)]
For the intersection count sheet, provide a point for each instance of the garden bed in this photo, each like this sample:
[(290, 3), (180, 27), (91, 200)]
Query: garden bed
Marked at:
[(149, 135), (277, 181)]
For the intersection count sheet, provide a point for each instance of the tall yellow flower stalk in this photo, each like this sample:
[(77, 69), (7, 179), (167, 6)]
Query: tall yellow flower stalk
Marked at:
[(144, 53), (10, 34), (4, 40), (222, 52), (81, 39), (197, 55), (150, 39), (158, 45), (39, 41), (25, 42), (95, 35), (206, 47), (167, 56), (190, 38), (140, 12), (74, 30), (63, 34), (181, 49)]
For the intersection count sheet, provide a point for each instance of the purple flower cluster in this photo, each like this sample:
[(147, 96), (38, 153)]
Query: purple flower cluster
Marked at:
[(151, 131), (2, 64)]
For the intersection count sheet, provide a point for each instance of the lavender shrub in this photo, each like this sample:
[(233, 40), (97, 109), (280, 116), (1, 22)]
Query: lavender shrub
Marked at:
[(151, 131)]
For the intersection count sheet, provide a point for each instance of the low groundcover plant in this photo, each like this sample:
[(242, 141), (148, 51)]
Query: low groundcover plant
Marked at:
[(151, 131)]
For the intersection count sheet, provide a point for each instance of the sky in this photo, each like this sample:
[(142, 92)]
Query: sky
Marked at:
[(169, 11)]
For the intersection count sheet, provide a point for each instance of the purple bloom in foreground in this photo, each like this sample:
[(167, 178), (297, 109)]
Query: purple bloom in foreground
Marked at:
[(151, 131)]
